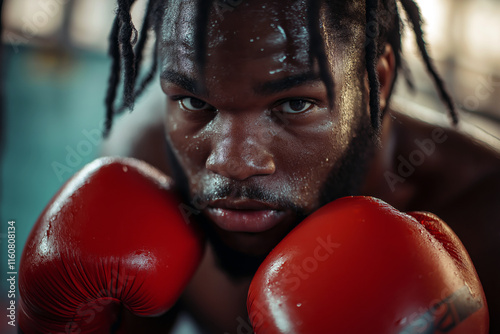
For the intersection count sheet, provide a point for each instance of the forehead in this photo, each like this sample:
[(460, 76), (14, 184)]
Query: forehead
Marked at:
[(252, 31)]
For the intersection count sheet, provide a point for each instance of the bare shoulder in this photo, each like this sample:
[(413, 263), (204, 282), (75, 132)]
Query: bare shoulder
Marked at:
[(425, 163), (454, 173), (140, 133)]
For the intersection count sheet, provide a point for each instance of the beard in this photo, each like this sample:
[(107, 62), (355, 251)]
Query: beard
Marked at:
[(344, 179), (348, 175)]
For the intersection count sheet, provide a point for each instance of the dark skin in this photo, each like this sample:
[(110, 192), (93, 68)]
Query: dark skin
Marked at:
[(232, 136), (227, 138)]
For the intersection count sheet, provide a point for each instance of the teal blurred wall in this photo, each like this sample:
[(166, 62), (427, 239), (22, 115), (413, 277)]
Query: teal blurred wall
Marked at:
[(53, 118)]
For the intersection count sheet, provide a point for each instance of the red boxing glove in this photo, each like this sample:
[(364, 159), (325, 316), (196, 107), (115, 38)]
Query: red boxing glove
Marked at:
[(113, 235), (358, 265)]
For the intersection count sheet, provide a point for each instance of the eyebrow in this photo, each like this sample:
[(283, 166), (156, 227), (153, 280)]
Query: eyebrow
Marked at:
[(181, 80), (286, 83), (266, 88)]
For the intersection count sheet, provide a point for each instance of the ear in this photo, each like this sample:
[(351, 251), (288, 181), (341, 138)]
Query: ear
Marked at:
[(386, 68)]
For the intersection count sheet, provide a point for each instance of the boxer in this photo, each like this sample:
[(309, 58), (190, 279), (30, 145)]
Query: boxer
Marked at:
[(273, 110)]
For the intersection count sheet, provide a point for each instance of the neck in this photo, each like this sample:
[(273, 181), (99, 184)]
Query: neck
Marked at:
[(216, 301)]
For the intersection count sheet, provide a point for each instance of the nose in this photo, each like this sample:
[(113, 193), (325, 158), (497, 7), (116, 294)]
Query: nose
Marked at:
[(241, 151)]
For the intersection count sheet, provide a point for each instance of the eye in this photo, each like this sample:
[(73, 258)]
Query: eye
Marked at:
[(194, 104), (295, 106)]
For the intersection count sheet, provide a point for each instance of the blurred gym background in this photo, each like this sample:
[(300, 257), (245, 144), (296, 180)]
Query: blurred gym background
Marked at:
[(55, 72)]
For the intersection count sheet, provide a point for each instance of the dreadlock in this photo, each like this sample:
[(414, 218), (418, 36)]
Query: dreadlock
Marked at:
[(380, 31), (317, 51), (121, 40), (415, 18), (371, 54)]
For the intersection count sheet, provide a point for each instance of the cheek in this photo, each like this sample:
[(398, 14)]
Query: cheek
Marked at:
[(308, 159), (305, 159), (189, 147)]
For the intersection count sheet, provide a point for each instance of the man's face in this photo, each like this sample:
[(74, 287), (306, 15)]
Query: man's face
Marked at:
[(259, 146)]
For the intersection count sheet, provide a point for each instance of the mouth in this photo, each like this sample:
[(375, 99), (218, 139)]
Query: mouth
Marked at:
[(244, 215)]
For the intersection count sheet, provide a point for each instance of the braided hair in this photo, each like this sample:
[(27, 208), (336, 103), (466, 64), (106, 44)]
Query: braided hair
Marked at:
[(126, 48)]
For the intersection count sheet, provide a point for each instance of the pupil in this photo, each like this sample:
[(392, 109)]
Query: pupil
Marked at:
[(197, 103), (297, 105)]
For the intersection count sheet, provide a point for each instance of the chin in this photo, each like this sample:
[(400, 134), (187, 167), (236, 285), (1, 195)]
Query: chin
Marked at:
[(252, 244), (239, 254)]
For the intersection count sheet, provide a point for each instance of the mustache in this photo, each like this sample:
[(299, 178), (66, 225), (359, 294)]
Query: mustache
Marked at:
[(218, 189)]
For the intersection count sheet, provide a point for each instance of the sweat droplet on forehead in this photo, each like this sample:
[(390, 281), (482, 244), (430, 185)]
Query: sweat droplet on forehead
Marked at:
[(263, 34), (249, 31)]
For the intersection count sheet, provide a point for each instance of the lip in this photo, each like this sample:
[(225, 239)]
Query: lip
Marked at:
[(243, 215)]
